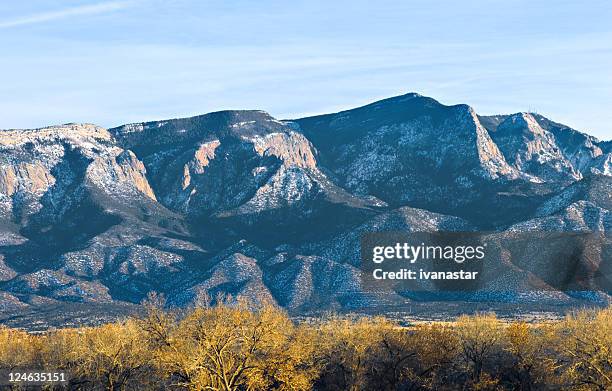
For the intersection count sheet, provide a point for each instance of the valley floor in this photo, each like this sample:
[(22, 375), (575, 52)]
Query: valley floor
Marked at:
[(69, 315)]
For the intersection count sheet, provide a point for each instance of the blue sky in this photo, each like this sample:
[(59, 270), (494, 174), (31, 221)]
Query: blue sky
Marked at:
[(119, 61)]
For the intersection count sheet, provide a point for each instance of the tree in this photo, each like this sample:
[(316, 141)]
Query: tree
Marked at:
[(530, 366), (231, 347), (583, 344), (19, 349), (480, 339), (113, 357)]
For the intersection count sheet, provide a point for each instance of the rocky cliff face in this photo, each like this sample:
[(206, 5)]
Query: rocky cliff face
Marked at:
[(237, 202), (217, 162), (45, 169), (580, 150), (534, 151)]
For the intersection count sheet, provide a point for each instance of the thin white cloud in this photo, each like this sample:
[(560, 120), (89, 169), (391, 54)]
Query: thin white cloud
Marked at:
[(90, 9)]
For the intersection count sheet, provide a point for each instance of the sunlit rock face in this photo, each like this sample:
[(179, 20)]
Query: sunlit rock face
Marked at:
[(44, 170), (533, 150)]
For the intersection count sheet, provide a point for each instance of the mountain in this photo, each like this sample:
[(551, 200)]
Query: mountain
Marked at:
[(241, 168), (240, 203), (412, 150)]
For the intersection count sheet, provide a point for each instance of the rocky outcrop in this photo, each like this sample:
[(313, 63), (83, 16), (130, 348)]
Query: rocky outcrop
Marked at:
[(579, 148), (602, 165), (387, 148), (45, 169), (533, 150)]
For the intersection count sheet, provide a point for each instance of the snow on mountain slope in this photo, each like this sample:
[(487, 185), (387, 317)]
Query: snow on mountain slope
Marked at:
[(413, 151), (220, 161), (594, 189), (345, 247), (240, 168)]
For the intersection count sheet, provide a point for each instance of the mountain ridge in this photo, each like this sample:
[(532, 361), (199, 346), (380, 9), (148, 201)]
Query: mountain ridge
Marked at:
[(238, 202)]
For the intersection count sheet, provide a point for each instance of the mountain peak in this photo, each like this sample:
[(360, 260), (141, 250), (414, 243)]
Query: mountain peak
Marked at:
[(201, 128), (521, 121), (222, 117)]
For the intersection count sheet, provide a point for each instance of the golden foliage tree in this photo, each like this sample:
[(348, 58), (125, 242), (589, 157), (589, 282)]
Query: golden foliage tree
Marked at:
[(113, 356), (231, 347), (480, 340), (530, 365), (583, 343)]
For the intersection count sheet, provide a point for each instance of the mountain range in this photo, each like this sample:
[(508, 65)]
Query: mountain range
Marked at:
[(240, 203)]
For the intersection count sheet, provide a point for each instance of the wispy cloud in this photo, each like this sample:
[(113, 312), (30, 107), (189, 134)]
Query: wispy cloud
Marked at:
[(90, 9)]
